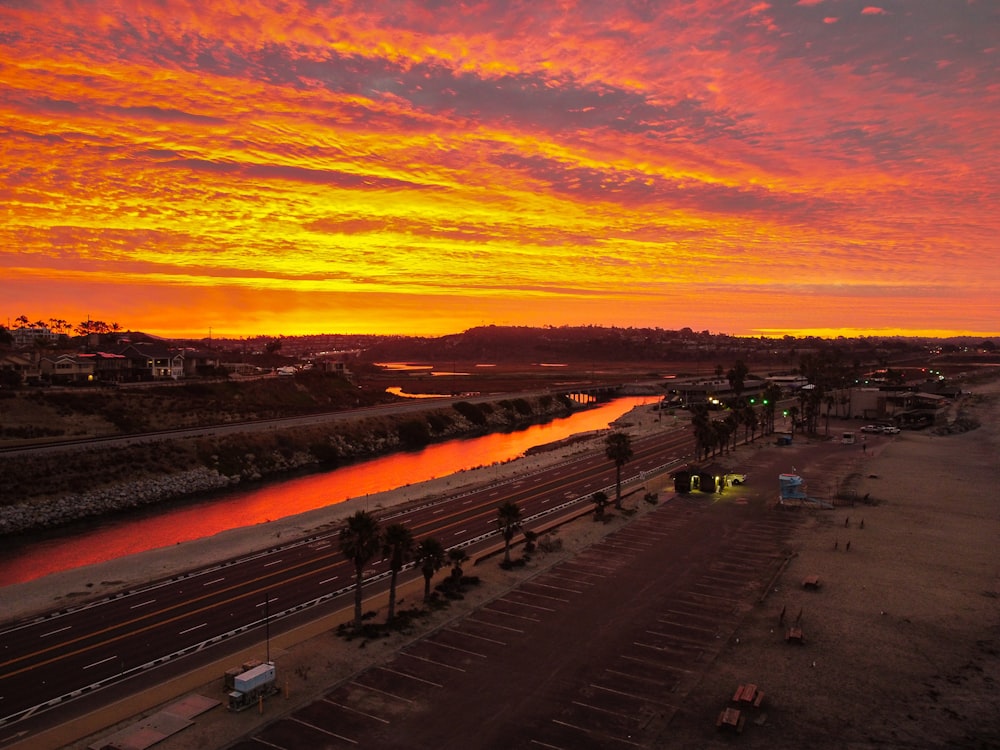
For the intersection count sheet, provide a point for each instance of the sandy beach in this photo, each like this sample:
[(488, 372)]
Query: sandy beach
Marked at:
[(903, 634)]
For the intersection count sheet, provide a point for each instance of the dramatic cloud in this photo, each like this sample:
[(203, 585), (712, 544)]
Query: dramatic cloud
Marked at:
[(422, 167)]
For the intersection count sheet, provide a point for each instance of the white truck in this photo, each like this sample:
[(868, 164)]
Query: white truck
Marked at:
[(252, 686)]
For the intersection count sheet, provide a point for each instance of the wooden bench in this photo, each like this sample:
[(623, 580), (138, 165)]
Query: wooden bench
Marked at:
[(810, 582), (731, 719), (749, 695), (795, 635)]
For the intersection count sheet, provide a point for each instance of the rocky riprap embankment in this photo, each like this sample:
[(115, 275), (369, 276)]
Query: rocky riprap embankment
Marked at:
[(58, 511), (48, 488)]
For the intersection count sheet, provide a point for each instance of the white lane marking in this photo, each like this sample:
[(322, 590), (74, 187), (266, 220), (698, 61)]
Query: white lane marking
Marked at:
[(458, 533), (215, 580), (53, 632), (273, 562), (328, 580), (183, 632), (143, 604), (272, 599), (110, 658)]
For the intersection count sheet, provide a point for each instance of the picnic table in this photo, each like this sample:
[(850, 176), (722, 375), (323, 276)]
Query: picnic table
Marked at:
[(748, 695), (795, 635), (810, 582), (731, 719)]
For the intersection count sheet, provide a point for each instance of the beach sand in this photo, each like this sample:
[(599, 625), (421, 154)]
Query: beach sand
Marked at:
[(902, 638)]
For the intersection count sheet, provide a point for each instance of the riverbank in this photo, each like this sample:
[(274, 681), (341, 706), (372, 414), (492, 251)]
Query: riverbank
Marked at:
[(93, 481), (63, 589)]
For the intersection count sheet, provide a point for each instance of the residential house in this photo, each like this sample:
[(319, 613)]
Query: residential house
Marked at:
[(66, 368), (153, 361), (109, 367), (25, 364), (32, 336)]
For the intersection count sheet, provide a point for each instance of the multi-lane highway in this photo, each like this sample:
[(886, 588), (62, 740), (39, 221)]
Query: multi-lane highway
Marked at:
[(50, 662)]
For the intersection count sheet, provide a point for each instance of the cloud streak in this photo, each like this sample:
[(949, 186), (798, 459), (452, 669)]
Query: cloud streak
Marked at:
[(405, 167)]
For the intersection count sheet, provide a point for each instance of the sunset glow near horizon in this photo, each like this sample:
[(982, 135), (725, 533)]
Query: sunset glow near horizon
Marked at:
[(821, 167)]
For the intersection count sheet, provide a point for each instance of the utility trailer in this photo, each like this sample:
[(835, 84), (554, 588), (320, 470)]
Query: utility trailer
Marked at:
[(251, 686)]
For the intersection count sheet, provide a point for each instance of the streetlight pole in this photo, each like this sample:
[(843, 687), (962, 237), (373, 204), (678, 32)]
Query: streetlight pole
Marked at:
[(267, 626)]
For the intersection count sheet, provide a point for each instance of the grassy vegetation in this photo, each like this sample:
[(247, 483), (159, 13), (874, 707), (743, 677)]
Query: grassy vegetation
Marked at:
[(82, 412), (248, 455)]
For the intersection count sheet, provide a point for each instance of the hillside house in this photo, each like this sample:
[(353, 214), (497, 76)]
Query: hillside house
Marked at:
[(153, 361)]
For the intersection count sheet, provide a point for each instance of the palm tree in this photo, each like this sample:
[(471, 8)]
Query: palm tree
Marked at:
[(600, 501), (828, 401), (737, 376), (508, 523), (703, 435), (398, 546), (618, 448), (360, 541), (771, 395), (720, 430), (430, 557), (457, 556), (732, 422), (748, 416)]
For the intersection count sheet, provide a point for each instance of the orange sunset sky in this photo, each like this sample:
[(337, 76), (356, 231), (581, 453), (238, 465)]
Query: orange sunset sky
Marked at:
[(817, 167)]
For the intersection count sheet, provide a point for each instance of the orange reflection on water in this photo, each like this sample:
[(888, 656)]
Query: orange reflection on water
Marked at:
[(114, 538)]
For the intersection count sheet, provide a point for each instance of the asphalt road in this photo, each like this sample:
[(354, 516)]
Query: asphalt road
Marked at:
[(69, 662)]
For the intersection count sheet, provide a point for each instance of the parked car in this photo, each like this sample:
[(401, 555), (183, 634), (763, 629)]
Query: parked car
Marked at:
[(872, 429), (890, 430), (737, 478)]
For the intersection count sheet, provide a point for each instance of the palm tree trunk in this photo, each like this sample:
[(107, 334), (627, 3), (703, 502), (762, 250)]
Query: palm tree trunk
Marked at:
[(392, 596), (618, 486), (358, 570)]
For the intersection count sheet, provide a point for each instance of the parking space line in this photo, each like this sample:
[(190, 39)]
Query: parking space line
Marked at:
[(629, 545), (677, 639), (591, 734), (546, 745), (641, 698), (709, 631), (455, 648), (377, 690), (322, 731), (497, 625), (511, 614), (521, 590), (525, 604), (726, 599), (431, 661), (549, 586), (657, 664), (658, 683), (412, 677), (356, 711), (586, 570), (732, 579), (607, 711), (670, 649), (478, 637), (575, 581)]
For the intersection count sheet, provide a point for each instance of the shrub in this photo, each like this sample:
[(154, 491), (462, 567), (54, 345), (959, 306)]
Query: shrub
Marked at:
[(414, 433), (472, 412)]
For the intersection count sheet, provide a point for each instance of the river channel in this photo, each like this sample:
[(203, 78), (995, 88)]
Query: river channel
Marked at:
[(82, 544)]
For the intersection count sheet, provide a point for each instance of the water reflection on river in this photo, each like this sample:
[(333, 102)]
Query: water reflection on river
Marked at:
[(83, 544)]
